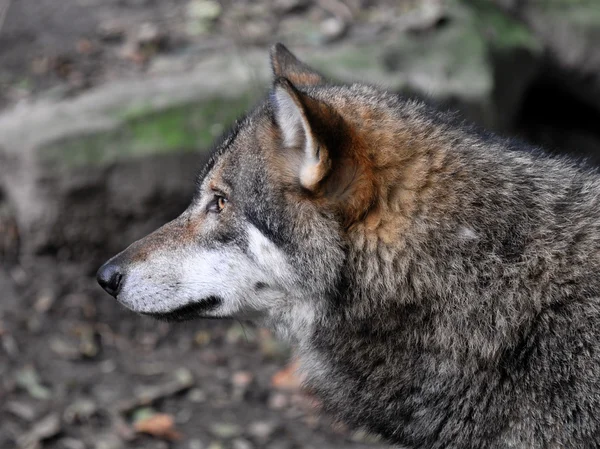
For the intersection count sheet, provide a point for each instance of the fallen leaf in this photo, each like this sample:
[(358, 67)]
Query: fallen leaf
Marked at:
[(159, 425)]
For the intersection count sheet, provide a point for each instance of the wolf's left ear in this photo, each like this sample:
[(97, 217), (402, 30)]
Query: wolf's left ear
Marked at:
[(304, 124), (323, 152), (286, 65)]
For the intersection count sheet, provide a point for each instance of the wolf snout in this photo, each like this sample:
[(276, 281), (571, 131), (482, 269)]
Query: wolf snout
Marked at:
[(110, 277)]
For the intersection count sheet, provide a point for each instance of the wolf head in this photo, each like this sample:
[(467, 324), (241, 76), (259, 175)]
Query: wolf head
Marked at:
[(268, 229)]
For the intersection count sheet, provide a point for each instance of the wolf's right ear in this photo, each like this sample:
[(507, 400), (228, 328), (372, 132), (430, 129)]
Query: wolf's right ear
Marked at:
[(286, 65)]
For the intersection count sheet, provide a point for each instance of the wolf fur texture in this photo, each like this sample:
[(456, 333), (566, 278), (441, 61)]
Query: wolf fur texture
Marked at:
[(440, 284)]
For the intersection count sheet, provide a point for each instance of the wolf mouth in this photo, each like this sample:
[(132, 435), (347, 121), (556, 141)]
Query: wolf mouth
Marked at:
[(189, 311)]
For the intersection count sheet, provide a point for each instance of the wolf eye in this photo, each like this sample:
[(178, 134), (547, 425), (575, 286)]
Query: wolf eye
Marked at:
[(218, 204)]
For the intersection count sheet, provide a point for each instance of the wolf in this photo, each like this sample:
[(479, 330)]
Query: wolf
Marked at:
[(440, 284)]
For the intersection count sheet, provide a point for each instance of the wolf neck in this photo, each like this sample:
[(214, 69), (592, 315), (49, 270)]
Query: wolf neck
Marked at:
[(411, 257), (418, 178)]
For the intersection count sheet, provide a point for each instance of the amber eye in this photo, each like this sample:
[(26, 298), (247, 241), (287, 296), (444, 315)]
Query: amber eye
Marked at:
[(217, 204), (221, 202)]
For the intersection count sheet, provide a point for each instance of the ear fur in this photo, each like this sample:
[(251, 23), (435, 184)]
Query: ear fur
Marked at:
[(327, 156), (286, 65), (296, 115)]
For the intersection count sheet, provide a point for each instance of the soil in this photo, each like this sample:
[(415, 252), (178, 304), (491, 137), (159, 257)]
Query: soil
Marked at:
[(69, 351)]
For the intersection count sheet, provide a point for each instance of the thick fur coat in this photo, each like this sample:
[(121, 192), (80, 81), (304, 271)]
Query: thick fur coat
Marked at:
[(440, 283)]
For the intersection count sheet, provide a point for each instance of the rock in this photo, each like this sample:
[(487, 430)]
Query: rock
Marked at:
[(569, 32), (458, 64), (75, 170), (562, 105)]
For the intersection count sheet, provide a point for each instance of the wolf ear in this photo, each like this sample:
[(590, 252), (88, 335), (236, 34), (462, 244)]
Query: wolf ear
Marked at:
[(327, 156), (286, 65), (302, 122)]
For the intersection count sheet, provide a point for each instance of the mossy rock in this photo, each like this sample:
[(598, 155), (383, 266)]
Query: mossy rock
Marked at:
[(144, 130)]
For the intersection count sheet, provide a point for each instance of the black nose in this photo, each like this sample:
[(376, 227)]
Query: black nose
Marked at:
[(110, 278)]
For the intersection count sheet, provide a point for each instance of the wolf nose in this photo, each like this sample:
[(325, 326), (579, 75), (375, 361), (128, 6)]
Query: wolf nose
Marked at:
[(110, 278)]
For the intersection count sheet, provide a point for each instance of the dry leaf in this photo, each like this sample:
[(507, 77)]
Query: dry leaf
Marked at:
[(160, 425)]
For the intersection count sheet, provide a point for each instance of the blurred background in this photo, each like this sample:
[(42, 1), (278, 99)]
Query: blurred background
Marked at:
[(107, 109)]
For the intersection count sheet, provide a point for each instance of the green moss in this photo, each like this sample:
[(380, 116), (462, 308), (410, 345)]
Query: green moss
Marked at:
[(349, 58), (144, 131), (499, 28)]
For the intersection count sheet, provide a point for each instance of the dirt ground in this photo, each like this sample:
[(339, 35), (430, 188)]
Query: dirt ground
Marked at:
[(76, 370)]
